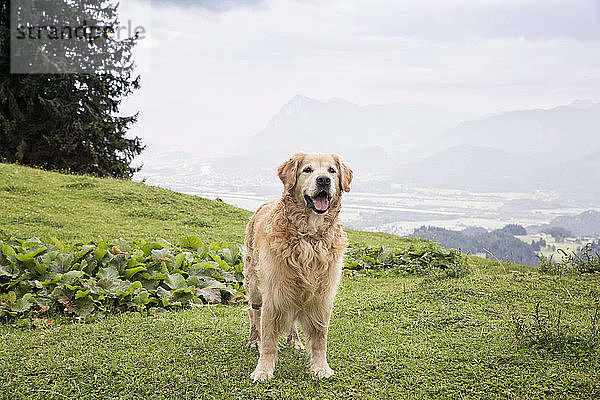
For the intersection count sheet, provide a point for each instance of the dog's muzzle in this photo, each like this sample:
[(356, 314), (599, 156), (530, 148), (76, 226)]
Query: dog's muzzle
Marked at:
[(319, 203)]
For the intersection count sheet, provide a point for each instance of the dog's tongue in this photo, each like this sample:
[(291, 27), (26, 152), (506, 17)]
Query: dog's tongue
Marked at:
[(321, 203)]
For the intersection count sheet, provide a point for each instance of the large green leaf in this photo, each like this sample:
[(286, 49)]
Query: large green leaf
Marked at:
[(7, 250), (162, 253), (165, 296), (179, 261), (21, 305), (30, 256), (148, 247), (210, 295), (132, 271), (142, 298), (85, 250), (70, 276), (110, 281), (80, 293), (176, 281), (190, 242), (102, 255), (182, 298), (154, 275), (130, 290), (164, 242), (119, 262), (84, 307), (7, 270), (108, 273), (218, 260), (62, 263)]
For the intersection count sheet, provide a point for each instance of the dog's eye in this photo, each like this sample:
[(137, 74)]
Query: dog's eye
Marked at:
[(331, 170), (308, 170)]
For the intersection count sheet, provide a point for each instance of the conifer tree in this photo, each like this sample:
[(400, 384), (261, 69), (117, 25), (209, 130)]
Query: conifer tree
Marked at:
[(69, 121)]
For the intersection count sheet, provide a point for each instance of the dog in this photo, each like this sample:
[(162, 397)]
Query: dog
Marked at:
[(293, 259)]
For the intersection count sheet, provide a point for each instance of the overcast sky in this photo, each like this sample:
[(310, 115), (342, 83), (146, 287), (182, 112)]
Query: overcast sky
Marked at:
[(217, 70)]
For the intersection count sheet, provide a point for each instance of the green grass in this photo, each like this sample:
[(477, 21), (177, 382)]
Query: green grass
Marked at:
[(75, 208), (391, 337)]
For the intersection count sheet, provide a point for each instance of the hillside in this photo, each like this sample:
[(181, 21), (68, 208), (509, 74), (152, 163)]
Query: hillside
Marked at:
[(392, 335), (83, 208), (468, 167), (75, 208), (561, 133), (586, 223)]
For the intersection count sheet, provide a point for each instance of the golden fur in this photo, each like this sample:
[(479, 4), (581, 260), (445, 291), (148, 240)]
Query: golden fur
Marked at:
[(293, 262)]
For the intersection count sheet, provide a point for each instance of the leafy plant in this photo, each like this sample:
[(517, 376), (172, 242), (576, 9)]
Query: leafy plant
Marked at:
[(545, 330), (86, 281), (424, 259), (586, 261)]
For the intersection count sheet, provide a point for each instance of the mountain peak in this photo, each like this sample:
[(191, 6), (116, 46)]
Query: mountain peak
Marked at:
[(299, 101)]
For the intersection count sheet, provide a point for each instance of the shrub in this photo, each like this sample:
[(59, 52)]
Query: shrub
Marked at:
[(426, 259), (545, 330), (586, 261), (86, 281)]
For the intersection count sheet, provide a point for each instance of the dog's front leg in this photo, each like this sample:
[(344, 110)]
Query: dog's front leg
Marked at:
[(316, 326), (270, 326)]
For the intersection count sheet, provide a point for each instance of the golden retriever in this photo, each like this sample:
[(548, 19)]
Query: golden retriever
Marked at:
[(293, 260)]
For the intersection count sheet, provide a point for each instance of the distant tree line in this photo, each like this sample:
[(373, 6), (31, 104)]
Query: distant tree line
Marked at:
[(558, 232), (498, 244)]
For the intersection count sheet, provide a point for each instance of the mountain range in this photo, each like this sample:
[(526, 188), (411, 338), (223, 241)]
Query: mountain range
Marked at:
[(373, 137), (554, 149), (586, 223), (560, 133)]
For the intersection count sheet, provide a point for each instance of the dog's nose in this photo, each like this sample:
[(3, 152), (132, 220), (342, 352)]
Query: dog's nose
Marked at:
[(323, 180)]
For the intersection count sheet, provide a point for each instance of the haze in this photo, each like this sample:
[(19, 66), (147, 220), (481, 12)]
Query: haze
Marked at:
[(214, 72)]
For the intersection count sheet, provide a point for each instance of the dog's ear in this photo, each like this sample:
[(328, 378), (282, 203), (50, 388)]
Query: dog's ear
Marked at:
[(287, 171), (345, 173)]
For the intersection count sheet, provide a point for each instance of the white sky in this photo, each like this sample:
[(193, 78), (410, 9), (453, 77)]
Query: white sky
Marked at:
[(219, 70)]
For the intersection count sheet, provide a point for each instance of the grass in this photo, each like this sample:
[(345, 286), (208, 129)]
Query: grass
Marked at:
[(81, 208), (391, 337), (75, 208)]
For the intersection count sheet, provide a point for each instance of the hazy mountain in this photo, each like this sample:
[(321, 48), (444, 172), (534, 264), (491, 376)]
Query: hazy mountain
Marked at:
[(578, 178), (371, 137), (485, 169), (559, 133), (468, 167), (555, 150), (585, 224)]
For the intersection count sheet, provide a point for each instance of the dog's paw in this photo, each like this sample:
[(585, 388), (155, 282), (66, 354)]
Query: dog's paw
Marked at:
[(321, 372), (261, 375), (253, 343)]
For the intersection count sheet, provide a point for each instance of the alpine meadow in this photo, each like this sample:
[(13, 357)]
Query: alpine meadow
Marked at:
[(113, 289), (154, 241)]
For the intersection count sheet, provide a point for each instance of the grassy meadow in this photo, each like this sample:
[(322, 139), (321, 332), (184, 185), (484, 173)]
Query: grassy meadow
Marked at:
[(504, 331)]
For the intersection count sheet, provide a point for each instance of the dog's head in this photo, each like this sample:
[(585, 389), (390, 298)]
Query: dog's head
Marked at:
[(315, 180)]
